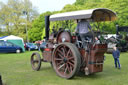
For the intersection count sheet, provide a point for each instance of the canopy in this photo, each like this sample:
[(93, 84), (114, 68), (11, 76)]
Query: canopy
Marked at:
[(98, 14), (3, 37), (14, 39)]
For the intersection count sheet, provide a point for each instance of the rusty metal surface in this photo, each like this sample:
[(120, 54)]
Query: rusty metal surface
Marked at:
[(73, 39), (64, 35), (94, 60), (47, 56), (47, 53), (97, 58)]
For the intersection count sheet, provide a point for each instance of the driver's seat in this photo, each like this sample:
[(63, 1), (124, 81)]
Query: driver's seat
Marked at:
[(79, 41)]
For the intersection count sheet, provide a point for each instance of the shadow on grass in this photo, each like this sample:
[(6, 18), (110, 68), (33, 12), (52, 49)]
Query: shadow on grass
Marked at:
[(101, 75), (45, 68), (81, 76)]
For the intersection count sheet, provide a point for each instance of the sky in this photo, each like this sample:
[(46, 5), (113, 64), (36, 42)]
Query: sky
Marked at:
[(48, 5)]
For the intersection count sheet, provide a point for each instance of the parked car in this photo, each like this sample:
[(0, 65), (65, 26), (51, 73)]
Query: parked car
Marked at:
[(30, 46), (118, 41), (8, 47)]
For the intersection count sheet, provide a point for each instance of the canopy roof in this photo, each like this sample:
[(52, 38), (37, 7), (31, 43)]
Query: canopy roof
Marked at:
[(98, 14)]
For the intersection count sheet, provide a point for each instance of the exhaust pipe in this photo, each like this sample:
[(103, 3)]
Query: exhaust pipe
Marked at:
[(47, 23)]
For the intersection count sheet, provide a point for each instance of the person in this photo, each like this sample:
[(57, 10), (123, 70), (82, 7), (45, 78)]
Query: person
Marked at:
[(82, 30), (116, 55), (38, 45), (97, 41)]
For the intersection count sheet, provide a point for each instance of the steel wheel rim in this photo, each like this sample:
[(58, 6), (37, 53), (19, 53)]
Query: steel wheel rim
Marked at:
[(35, 61), (64, 61)]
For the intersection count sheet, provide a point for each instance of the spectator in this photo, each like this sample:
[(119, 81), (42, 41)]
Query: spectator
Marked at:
[(116, 55), (38, 45), (97, 41)]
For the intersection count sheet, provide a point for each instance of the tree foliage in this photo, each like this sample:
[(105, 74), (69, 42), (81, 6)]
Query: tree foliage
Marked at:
[(12, 18), (37, 32), (118, 6)]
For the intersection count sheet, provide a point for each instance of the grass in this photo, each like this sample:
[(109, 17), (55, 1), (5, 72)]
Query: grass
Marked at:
[(16, 70)]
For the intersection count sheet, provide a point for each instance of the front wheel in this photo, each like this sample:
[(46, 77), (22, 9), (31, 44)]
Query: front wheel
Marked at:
[(36, 61), (18, 51), (66, 60)]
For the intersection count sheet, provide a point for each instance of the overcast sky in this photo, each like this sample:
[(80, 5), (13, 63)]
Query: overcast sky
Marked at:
[(48, 5)]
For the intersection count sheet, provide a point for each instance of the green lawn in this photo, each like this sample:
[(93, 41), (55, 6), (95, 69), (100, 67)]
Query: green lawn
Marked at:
[(16, 70)]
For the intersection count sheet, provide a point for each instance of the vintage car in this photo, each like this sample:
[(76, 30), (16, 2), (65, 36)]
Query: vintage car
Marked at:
[(66, 52)]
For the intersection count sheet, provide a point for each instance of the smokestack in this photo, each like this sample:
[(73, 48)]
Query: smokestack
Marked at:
[(117, 26), (47, 23)]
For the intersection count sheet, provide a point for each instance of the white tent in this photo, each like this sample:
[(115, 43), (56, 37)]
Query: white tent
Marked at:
[(12, 37)]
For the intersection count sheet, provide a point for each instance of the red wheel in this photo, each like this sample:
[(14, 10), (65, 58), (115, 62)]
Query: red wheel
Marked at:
[(36, 61), (66, 60)]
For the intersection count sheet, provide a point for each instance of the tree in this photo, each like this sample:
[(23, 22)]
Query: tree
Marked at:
[(37, 32), (5, 16), (11, 15)]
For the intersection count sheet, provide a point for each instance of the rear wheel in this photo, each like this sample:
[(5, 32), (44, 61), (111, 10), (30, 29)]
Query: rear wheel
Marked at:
[(66, 60), (36, 61)]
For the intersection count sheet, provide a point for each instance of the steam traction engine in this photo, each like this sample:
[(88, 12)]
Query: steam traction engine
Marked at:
[(65, 51)]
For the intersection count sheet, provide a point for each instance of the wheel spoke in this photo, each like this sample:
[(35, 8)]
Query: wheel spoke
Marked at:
[(58, 63), (63, 51), (66, 69), (71, 58), (35, 61), (72, 61), (71, 64), (60, 55), (68, 52), (70, 69), (61, 66), (60, 52), (58, 59)]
